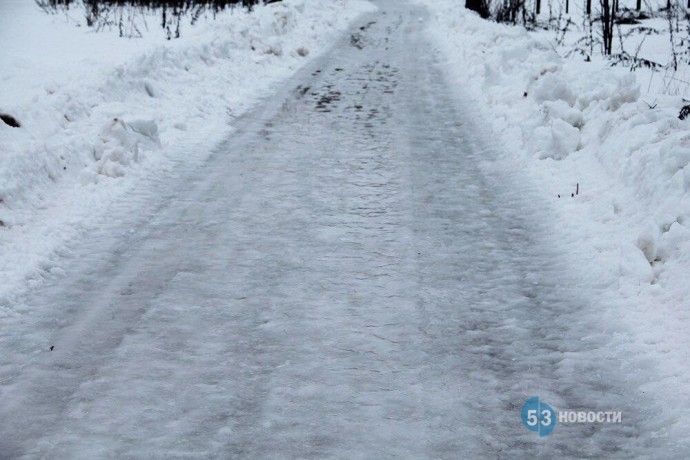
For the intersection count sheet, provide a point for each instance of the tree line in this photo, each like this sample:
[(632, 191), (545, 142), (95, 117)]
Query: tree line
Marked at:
[(601, 23), (126, 15)]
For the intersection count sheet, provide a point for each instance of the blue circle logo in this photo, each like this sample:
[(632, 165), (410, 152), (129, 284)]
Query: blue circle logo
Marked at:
[(538, 416)]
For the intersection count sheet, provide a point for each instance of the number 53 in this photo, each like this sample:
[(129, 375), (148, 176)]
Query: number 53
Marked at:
[(532, 418)]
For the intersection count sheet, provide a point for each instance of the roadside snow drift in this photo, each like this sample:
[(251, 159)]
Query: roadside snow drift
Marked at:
[(615, 166)]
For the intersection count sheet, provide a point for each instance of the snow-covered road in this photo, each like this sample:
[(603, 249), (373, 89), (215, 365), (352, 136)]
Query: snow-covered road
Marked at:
[(345, 277)]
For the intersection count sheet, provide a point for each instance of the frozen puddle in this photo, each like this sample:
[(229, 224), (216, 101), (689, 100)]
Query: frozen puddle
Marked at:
[(343, 278)]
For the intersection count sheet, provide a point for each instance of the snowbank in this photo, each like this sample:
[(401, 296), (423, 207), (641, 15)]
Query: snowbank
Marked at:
[(586, 127), (99, 112), (64, 97)]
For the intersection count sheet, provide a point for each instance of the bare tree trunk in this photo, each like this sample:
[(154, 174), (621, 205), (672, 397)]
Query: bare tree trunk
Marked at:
[(538, 9), (674, 55), (589, 7), (567, 6), (608, 19), (480, 6)]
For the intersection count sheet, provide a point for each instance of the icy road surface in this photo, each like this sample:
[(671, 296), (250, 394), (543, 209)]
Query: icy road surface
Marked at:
[(346, 277)]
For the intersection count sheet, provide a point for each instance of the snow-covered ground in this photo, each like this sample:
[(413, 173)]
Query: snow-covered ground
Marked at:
[(617, 134), (349, 274), (374, 263), (99, 112)]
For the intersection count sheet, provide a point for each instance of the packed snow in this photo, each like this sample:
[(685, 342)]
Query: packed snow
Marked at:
[(335, 228)]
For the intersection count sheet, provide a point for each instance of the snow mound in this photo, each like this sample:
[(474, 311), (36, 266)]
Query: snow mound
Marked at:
[(553, 87), (181, 87), (120, 142), (556, 141), (610, 92)]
